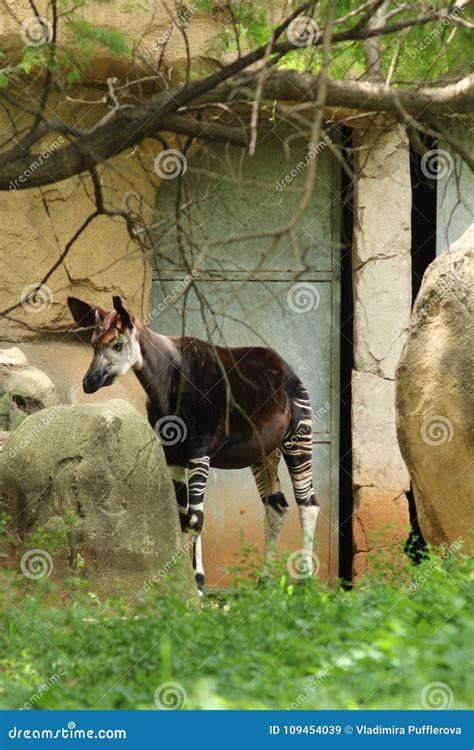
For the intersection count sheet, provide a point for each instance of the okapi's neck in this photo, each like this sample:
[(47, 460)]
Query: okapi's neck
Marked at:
[(160, 359)]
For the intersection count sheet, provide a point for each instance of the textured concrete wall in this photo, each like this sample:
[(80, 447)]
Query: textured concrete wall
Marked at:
[(382, 300)]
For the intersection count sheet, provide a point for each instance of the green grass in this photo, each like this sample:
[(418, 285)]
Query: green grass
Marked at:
[(272, 646)]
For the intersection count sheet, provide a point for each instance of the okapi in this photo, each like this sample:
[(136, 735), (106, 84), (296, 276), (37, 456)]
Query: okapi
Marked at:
[(231, 408)]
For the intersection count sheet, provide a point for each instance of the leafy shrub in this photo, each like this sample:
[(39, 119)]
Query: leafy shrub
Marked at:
[(274, 646)]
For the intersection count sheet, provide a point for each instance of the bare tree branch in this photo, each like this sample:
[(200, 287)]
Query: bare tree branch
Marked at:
[(127, 125)]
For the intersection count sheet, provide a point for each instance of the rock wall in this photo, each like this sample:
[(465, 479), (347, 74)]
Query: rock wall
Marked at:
[(382, 300), (154, 30), (38, 223)]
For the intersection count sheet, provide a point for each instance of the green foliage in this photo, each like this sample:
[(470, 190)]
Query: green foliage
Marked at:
[(421, 53), (280, 645), (426, 52), (70, 58), (88, 35), (248, 28)]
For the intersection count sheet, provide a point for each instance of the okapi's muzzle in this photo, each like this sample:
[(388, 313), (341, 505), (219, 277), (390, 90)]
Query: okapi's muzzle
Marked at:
[(95, 379)]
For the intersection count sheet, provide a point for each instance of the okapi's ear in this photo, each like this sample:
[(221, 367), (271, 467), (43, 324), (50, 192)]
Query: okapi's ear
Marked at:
[(84, 314), (125, 316)]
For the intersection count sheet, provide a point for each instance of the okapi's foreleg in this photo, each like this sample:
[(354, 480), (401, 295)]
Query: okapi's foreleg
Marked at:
[(276, 507), (198, 470), (297, 451)]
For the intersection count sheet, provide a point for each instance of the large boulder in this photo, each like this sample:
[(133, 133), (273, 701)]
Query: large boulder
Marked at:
[(88, 489), (435, 397)]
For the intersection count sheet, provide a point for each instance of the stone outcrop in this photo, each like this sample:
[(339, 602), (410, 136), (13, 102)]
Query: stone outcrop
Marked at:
[(65, 363), (382, 298), (92, 481), (24, 389), (435, 397)]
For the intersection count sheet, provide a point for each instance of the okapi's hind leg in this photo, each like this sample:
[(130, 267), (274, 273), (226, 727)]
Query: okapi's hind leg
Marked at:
[(276, 507), (297, 451)]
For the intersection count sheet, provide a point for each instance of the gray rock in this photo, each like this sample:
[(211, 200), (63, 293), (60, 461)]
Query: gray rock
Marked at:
[(435, 397), (92, 479), (23, 389)]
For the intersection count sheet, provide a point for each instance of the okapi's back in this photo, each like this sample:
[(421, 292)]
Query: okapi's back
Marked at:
[(251, 372), (241, 396)]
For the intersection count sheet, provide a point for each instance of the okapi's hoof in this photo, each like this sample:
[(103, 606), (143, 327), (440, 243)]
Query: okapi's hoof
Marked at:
[(199, 577)]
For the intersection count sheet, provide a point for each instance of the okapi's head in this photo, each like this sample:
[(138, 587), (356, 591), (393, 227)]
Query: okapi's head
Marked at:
[(115, 341)]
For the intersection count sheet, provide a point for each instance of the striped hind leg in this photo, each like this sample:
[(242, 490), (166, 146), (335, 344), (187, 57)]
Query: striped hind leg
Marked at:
[(297, 451), (266, 477)]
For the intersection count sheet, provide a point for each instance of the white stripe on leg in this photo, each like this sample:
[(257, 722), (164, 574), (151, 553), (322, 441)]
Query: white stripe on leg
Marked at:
[(197, 563), (273, 524), (308, 518)]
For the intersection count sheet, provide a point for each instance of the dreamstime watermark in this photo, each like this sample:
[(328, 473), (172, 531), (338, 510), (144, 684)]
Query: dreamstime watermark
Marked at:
[(303, 564), (443, 553), (170, 163), (323, 410), (437, 695), (434, 34), (312, 685), (169, 565), (313, 151), (171, 430), (170, 696), (36, 31), (64, 733), (36, 563), (179, 21), (303, 31), (46, 684), (48, 417), (303, 297), (38, 160), (436, 164), (304, 430), (36, 298), (172, 296), (436, 430)]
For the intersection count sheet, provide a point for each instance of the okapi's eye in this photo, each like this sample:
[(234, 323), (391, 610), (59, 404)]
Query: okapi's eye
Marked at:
[(118, 346)]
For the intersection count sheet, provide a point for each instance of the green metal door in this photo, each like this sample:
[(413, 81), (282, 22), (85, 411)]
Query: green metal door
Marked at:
[(248, 293), (454, 188)]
